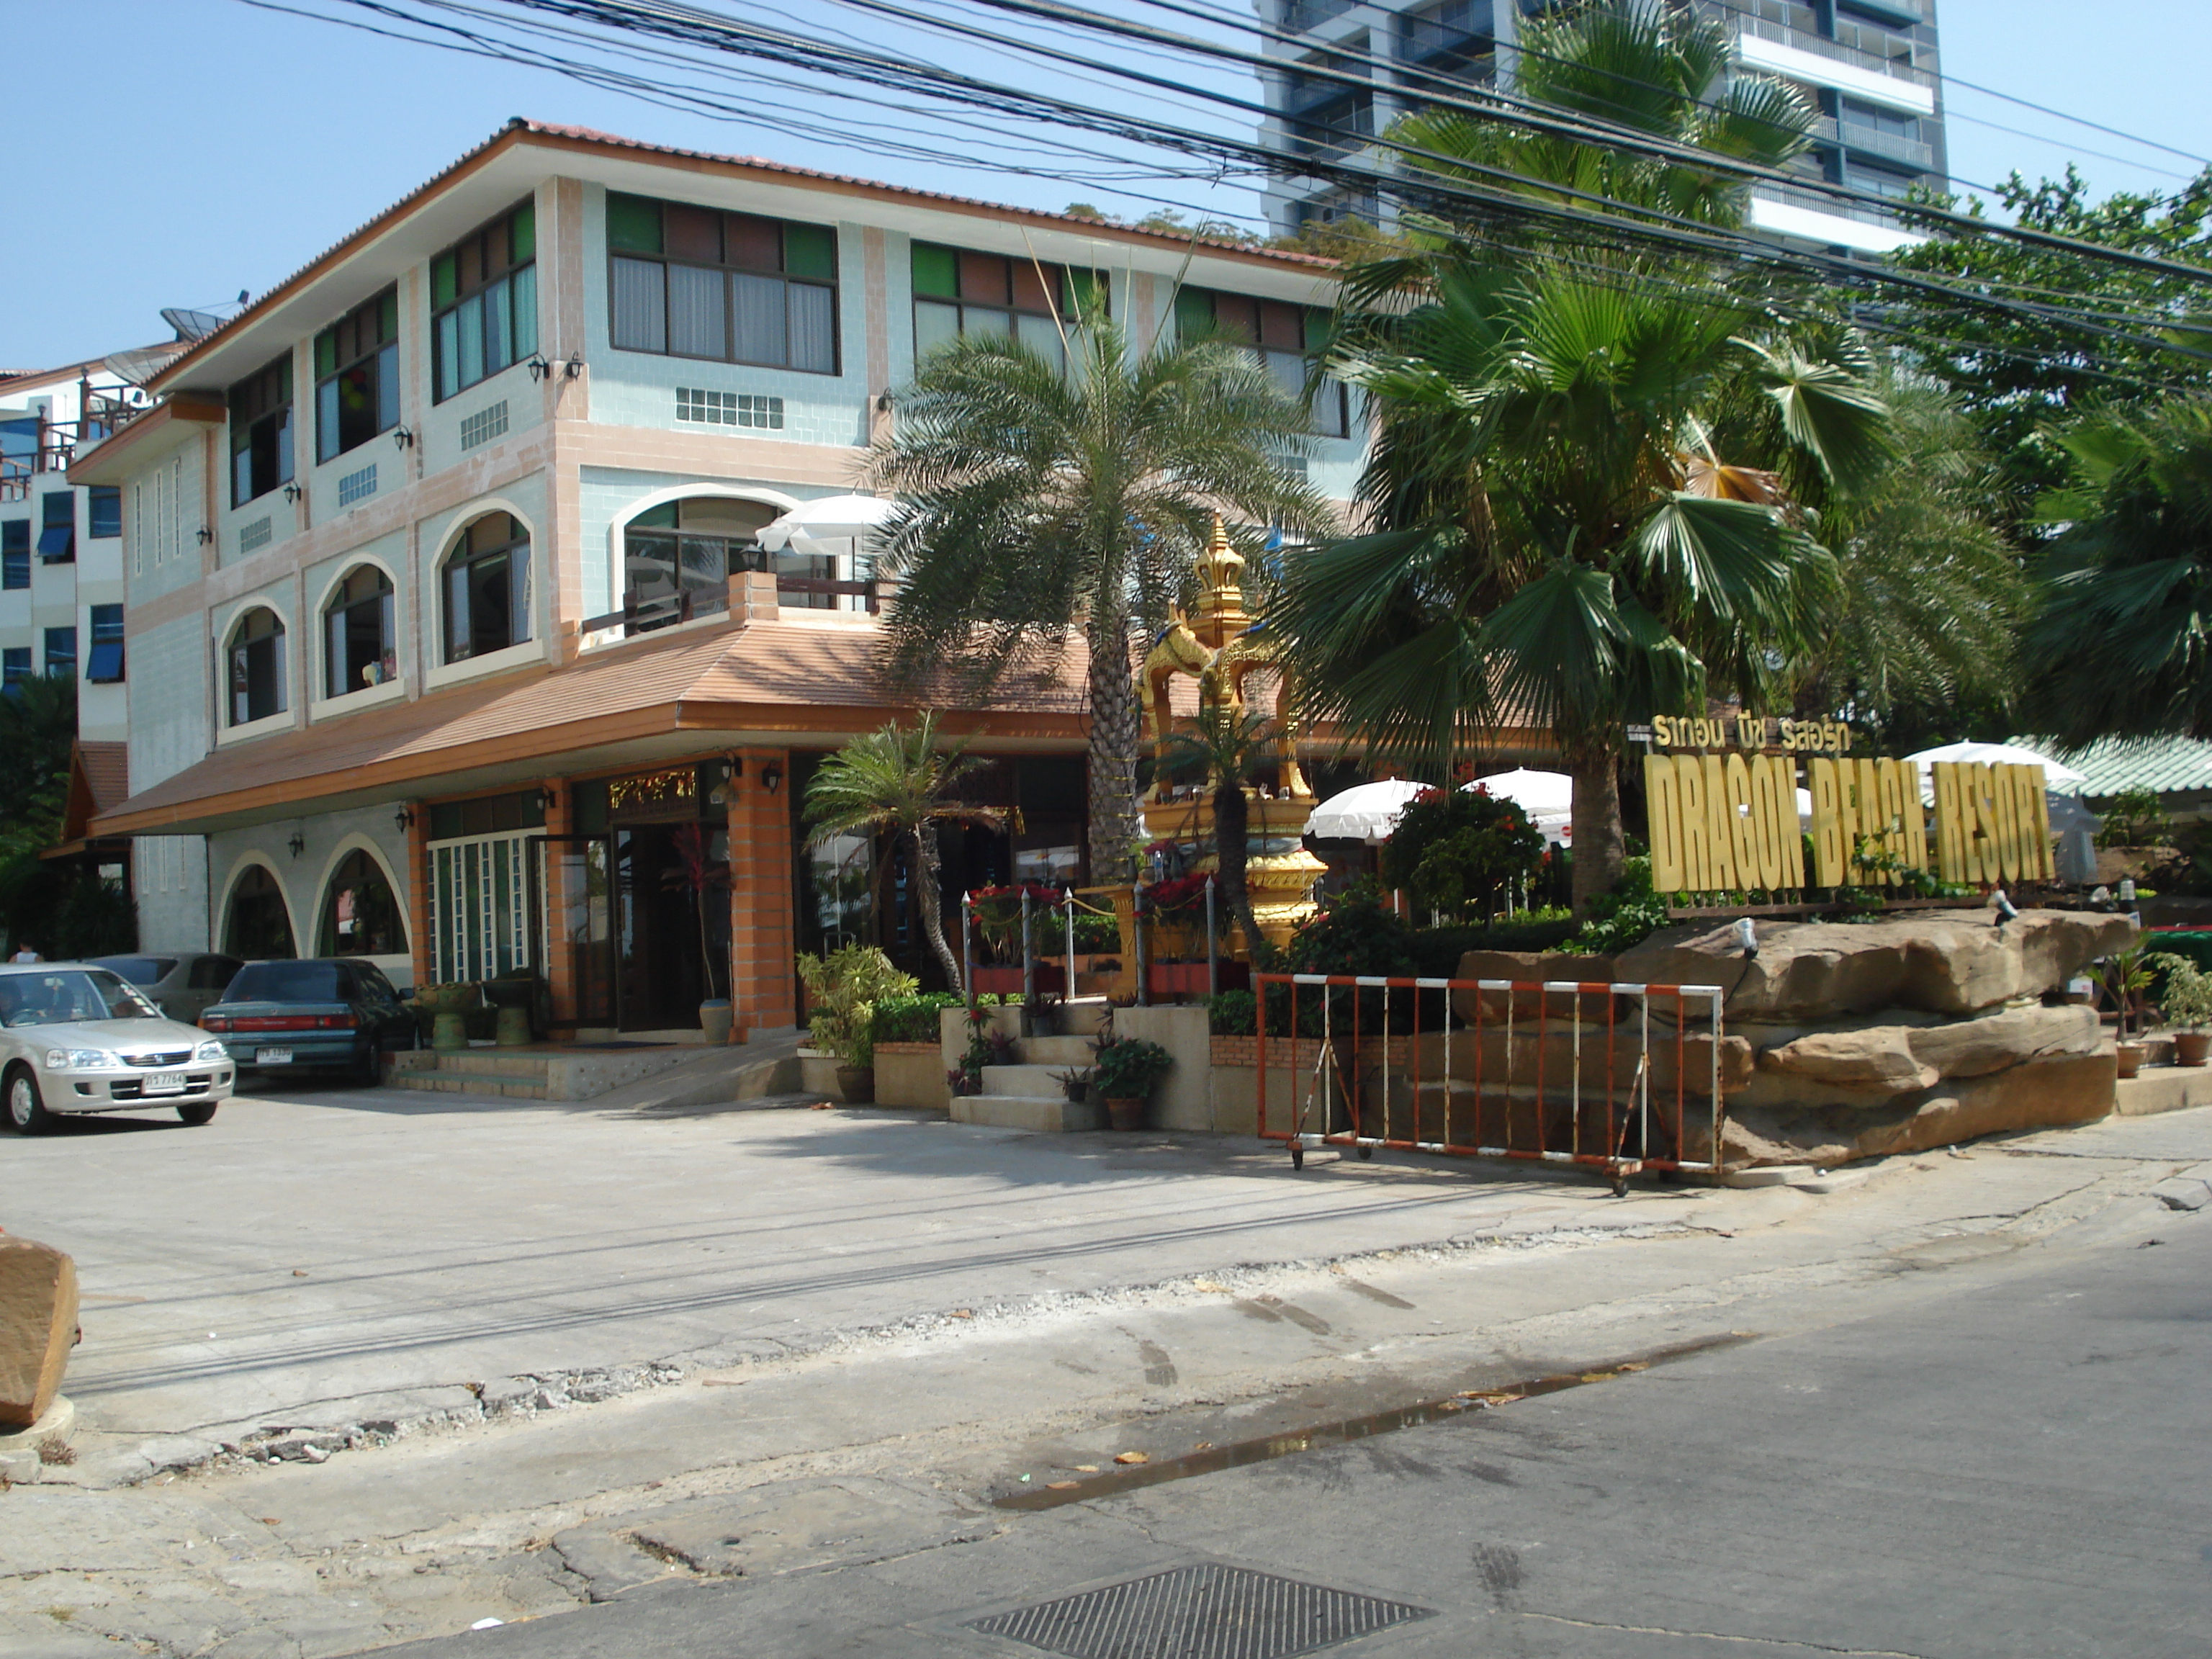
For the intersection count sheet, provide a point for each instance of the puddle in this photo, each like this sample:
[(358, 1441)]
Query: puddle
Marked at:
[(1214, 1459)]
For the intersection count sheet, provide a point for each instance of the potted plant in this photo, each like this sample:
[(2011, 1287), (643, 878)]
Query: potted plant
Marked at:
[(2127, 975), (1127, 1071), (1076, 1085), (698, 872), (842, 990), (2186, 1002), (448, 1007)]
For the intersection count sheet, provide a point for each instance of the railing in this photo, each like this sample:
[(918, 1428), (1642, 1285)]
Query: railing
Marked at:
[(1565, 1072), (1841, 207), (1873, 140), (1893, 55), (644, 615), (837, 589)]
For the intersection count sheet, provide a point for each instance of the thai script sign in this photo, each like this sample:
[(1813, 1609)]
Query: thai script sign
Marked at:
[(1730, 822)]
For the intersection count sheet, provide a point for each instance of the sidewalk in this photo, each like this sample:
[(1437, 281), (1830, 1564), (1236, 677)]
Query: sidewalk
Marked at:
[(867, 1446)]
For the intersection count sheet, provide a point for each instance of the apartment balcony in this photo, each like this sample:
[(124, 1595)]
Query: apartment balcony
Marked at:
[(1871, 141), (1894, 75), (1808, 216)]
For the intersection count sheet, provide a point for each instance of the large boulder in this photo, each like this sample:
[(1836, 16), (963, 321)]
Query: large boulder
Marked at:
[(2041, 1094), (1946, 962), (1874, 1057), (1531, 967), (1898, 1050), (38, 1325)]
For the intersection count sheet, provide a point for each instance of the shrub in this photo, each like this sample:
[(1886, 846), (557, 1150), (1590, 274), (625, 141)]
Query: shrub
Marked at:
[(1130, 1068), (1624, 918), (1095, 934), (1437, 950), (2135, 817), (844, 987), (1233, 1013), (912, 1019), (1459, 851)]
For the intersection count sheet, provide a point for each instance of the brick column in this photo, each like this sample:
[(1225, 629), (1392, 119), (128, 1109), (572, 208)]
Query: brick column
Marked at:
[(762, 925)]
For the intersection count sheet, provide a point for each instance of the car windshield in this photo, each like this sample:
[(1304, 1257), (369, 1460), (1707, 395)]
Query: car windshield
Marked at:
[(139, 970), (287, 982), (60, 995)]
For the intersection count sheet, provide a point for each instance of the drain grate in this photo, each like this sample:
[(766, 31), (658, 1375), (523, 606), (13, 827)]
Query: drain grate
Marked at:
[(1206, 1612)]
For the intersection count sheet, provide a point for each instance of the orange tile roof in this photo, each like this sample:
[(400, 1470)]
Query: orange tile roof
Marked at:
[(801, 678)]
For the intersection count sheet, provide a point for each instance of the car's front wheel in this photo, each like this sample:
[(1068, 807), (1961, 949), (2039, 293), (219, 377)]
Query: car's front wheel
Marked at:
[(27, 1112), (197, 1112)]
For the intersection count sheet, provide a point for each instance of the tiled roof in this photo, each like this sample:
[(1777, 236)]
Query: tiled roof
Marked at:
[(106, 770), (2113, 764), (761, 677)]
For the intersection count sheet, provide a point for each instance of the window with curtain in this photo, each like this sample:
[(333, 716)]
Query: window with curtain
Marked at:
[(357, 376), (257, 926), (689, 549), (261, 432), (692, 281), (358, 651), (1285, 338), (254, 666), (61, 652), (483, 301), (361, 912), (956, 292), (486, 588), (104, 667), (104, 511)]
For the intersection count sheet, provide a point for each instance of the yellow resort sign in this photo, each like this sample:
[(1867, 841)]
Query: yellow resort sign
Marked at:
[(1723, 796)]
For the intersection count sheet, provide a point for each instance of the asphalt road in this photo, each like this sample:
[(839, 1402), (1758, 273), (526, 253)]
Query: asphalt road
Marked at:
[(2013, 1465)]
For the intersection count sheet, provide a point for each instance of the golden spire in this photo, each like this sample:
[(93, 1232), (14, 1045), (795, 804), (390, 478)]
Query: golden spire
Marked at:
[(1220, 580)]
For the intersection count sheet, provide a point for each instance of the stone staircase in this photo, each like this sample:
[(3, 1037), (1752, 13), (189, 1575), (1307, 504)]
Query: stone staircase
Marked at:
[(658, 1076), (1026, 1094)]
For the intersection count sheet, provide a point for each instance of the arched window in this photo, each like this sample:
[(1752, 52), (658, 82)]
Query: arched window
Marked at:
[(361, 913), (488, 588), (678, 558), (256, 666), (358, 625), (259, 925)]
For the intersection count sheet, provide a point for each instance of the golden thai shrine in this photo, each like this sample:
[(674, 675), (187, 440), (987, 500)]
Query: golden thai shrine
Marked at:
[(1226, 650)]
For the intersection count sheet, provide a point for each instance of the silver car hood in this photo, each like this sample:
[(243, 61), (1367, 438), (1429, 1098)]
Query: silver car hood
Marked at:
[(116, 1036)]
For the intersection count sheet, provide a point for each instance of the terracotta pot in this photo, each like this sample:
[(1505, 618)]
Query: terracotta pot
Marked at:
[(857, 1084), (1126, 1113), (2131, 1056), (2192, 1048), (715, 1020)]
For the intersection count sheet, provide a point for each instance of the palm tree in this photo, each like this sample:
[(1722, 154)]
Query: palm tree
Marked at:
[(898, 782), (1228, 747), (1597, 482), (2124, 642), (1036, 500)]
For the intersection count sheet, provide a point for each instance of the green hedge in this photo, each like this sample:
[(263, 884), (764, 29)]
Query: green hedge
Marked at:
[(912, 1019), (2197, 946)]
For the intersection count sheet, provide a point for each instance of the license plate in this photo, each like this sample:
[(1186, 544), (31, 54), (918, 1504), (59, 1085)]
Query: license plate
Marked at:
[(162, 1082), (272, 1056)]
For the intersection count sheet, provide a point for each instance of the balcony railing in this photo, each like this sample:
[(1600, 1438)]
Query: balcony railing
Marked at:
[(1859, 47), (58, 442), (1872, 141)]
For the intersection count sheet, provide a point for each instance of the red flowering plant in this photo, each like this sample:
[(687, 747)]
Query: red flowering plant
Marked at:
[(998, 915), (1176, 893)]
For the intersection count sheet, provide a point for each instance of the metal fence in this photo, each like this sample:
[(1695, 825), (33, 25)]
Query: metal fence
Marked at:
[(1618, 1078)]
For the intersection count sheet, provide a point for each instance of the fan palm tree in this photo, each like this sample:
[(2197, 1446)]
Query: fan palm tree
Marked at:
[(899, 782), (1036, 500), (1228, 747), (2124, 638), (1596, 483)]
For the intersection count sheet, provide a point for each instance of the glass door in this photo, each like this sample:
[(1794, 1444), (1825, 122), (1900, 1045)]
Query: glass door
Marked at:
[(571, 899)]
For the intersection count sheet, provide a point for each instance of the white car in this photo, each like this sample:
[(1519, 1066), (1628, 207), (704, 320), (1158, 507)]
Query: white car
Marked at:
[(76, 1039)]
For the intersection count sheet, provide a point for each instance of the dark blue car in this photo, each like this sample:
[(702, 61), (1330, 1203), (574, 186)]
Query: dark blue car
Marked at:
[(333, 1014)]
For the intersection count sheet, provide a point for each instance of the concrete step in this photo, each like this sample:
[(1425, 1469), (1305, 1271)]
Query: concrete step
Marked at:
[(1061, 1051), (498, 1062), (1030, 1081), (1036, 1114), (511, 1085), (2162, 1088)]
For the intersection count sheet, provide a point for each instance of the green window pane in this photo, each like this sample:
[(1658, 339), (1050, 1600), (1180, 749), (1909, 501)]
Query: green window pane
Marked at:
[(523, 234), (1086, 293), (444, 285), (326, 353), (387, 316), (633, 224), (525, 311), (1193, 311), (1316, 329), (657, 518), (810, 251), (936, 271)]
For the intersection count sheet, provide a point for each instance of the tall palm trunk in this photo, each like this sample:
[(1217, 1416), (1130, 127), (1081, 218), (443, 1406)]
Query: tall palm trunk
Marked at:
[(1232, 819), (1599, 853), (1116, 726), (931, 903)]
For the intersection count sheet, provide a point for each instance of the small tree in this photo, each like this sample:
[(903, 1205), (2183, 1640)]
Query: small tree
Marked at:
[(1228, 747), (1457, 849), (897, 782), (843, 990)]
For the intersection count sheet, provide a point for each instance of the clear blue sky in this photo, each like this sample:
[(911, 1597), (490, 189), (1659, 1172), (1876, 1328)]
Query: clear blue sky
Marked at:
[(173, 152)]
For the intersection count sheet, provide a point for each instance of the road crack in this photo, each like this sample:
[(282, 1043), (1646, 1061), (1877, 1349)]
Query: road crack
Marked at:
[(1723, 1636)]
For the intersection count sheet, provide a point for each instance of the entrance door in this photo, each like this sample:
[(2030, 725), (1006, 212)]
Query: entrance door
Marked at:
[(659, 957), (571, 906)]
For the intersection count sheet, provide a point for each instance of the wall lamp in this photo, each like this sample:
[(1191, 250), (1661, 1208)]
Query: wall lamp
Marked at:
[(548, 799), (575, 366), (402, 438), (293, 491), (403, 819), (538, 368), (204, 534), (771, 777), (298, 843)]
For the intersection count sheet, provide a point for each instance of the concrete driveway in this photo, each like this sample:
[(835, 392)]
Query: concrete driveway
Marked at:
[(336, 1242)]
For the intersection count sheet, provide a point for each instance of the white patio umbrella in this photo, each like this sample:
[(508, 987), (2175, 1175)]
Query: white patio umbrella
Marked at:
[(833, 519), (1549, 798), (1367, 811), (1997, 754)]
